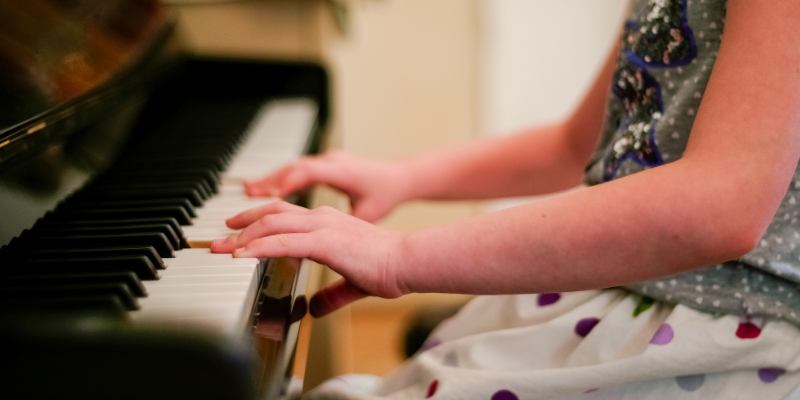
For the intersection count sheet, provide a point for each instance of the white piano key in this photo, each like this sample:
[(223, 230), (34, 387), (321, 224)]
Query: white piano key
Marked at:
[(218, 291)]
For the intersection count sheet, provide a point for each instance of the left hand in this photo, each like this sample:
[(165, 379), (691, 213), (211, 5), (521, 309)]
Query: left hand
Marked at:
[(365, 255)]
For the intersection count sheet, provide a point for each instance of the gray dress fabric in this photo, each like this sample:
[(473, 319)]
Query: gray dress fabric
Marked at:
[(669, 48)]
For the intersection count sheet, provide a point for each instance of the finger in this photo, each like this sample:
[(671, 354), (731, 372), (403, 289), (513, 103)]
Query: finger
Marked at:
[(334, 297), (269, 184), (267, 225), (245, 218), (311, 171), (298, 245), (289, 179)]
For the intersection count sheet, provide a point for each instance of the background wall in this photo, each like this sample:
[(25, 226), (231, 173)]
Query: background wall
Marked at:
[(537, 57)]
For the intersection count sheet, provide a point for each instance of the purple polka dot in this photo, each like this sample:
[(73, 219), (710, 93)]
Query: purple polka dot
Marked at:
[(545, 299), (430, 343), (690, 383), (504, 395), (584, 326), (663, 335), (769, 375)]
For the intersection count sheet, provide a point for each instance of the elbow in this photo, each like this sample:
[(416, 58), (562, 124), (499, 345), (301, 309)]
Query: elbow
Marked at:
[(735, 241), (741, 243)]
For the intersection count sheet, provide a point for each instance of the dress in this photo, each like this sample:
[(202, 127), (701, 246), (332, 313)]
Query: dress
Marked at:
[(728, 331)]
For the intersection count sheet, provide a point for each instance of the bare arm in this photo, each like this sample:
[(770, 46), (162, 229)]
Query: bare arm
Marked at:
[(710, 206)]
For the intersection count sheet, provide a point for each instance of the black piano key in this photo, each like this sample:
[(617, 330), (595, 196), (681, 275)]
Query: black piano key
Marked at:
[(178, 172), (107, 204), (139, 265), (107, 306), (171, 222), (177, 213), (156, 240), (127, 278), (147, 252), (157, 190), (112, 230), (165, 161), (69, 293), (134, 193)]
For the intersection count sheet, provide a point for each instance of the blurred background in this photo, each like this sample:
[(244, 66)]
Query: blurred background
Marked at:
[(411, 76)]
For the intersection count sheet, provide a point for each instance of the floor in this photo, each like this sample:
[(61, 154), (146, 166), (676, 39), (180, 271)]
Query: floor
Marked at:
[(374, 341)]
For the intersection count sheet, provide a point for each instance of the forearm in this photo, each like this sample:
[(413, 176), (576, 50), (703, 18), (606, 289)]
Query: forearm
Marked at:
[(633, 229), (533, 162)]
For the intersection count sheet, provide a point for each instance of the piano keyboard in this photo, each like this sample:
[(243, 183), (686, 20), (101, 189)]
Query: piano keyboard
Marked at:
[(133, 242)]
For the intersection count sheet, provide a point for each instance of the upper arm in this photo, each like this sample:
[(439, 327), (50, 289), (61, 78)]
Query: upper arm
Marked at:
[(583, 127), (745, 141)]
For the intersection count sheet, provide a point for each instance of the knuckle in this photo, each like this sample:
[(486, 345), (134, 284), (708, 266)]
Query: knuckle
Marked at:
[(264, 221)]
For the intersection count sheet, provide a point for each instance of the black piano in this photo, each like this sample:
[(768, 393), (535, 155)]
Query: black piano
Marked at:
[(120, 155)]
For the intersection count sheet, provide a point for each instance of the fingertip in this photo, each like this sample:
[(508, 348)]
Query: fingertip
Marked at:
[(251, 189), (233, 222), (217, 246)]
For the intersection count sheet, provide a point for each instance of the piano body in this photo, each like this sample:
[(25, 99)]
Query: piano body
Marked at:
[(120, 157)]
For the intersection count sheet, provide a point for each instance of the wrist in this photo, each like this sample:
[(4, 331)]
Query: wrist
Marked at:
[(403, 264), (418, 178)]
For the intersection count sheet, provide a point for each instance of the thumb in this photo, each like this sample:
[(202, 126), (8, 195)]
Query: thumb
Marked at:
[(334, 297)]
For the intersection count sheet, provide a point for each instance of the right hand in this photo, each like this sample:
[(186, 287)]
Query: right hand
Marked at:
[(374, 188)]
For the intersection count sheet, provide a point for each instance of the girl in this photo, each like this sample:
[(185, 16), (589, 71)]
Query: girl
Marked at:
[(674, 274)]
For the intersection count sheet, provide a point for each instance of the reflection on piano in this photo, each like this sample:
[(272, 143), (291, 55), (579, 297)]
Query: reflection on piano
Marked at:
[(131, 155)]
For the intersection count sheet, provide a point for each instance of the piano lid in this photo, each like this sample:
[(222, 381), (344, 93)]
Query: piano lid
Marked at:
[(56, 53)]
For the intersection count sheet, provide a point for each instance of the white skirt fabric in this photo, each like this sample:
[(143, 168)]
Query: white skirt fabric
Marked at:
[(599, 344)]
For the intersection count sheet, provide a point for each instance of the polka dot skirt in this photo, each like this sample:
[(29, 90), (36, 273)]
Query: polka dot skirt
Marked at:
[(604, 344)]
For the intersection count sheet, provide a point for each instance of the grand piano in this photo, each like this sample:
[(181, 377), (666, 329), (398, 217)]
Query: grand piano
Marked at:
[(120, 157)]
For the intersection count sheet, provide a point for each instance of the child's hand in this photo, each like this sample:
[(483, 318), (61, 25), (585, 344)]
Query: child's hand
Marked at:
[(374, 188), (364, 254)]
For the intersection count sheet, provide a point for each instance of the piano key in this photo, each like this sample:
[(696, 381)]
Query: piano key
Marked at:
[(106, 204), (127, 278), (139, 265), (133, 212), (107, 306), (147, 252), (153, 239), (195, 280), (70, 293), (190, 194), (166, 230), (157, 187), (171, 222)]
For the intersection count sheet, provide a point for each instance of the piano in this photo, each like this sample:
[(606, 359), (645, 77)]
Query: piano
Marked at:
[(121, 155)]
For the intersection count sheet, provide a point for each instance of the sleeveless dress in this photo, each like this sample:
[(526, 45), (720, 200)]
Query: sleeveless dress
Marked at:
[(728, 331)]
